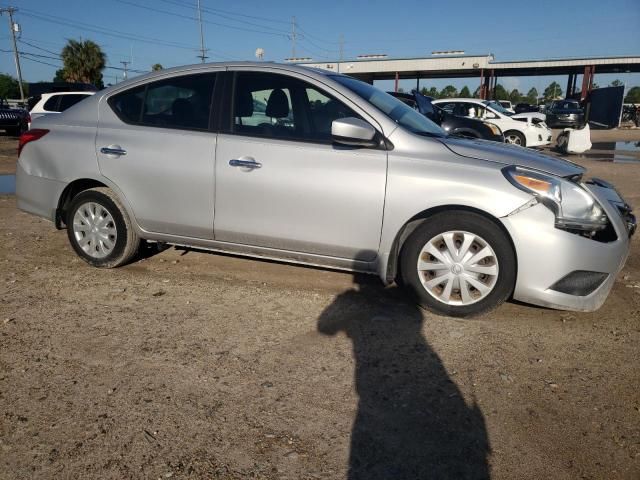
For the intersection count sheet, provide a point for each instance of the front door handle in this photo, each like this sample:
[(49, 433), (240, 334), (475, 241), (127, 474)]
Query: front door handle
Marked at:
[(245, 163), (113, 150)]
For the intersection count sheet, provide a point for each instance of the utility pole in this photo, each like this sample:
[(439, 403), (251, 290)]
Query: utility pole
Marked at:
[(124, 64), (341, 51), (203, 50), (13, 26), (294, 36)]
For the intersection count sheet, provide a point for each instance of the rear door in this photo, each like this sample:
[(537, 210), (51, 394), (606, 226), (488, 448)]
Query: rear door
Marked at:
[(155, 143), (299, 192)]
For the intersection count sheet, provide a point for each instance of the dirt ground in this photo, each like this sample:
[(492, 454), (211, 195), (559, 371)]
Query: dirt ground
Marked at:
[(194, 365)]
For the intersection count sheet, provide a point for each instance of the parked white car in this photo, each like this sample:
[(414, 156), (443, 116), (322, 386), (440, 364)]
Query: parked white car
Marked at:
[(506, 104), (52, 103), (525, 129)]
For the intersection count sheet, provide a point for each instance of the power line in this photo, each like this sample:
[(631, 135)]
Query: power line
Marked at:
[(212, 10), (189, 17)]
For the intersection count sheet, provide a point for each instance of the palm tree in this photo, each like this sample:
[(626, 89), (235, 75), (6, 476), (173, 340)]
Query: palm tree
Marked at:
[(83, 61)]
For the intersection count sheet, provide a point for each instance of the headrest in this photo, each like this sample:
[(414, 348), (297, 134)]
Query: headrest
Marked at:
[(244, 103), (278, 105)]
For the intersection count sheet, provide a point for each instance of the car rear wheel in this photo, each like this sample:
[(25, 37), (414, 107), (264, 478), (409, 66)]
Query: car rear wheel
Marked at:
[(459, 264), (99, 229), (515, 138)]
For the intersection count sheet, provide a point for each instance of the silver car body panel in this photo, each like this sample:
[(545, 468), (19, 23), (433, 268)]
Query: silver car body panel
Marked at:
[(310, 203)]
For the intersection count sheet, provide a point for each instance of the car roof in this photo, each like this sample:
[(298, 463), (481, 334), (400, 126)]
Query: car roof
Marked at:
[(80, 92), (196, 67), (460, 99)]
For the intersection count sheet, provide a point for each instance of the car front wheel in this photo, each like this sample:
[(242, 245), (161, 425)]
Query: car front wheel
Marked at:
[(515, 138), (458, 264), (100, 230)]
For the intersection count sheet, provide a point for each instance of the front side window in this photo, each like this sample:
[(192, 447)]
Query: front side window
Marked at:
[(178, 102), (282, 107)]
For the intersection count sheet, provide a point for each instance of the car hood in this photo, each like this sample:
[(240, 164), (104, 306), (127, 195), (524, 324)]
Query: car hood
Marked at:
[(512, 155), (530, 115)]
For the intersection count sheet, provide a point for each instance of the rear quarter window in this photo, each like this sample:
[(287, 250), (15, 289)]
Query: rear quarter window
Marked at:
[(51, 105)]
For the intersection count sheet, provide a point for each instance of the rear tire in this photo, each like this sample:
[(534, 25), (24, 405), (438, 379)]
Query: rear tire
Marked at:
[(515, 138), (100, 230), (474, 261)]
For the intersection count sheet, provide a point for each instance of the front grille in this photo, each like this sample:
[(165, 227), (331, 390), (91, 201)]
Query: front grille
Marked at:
[(579, 283)]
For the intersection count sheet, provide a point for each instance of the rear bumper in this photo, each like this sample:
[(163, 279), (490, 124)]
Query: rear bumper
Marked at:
[(547, 254), (37, 195)]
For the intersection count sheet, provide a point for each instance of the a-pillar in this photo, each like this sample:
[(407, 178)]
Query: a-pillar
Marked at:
[(396, 85)]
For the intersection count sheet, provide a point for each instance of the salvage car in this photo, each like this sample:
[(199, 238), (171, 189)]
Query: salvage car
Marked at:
[(452, 124), (565, 113), (334, 172), (525, 130), (13, 120)]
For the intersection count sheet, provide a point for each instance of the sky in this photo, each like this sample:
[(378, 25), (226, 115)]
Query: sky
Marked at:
[(145, 32)]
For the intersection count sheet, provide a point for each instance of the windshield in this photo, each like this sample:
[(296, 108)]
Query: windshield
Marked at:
[(399, 112), (497, 107)]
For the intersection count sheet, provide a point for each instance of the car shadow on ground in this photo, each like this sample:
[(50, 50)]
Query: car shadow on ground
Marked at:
[(412, 421)]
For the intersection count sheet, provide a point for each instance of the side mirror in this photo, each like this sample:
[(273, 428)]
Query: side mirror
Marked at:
[(354, 132)]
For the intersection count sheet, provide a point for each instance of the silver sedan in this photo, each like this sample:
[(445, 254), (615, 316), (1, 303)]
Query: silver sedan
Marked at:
[(289, 163)]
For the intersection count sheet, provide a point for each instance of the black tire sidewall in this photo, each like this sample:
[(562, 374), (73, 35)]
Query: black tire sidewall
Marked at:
[(121, 228), (461, 221)]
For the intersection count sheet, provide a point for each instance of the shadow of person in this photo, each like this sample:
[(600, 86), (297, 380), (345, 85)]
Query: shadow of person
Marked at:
[(412, 421)]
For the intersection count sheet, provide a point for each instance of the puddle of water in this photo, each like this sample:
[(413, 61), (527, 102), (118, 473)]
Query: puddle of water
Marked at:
[(610, 157), (617, 146), (7, 184)]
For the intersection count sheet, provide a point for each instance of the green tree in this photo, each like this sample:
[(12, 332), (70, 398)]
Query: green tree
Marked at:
[(424, 91), (552, 92), (616, 83), (515, 96), (501, 93), (532, 96), (633, 95), (449, 92), (84, 62), (476, 92), (465, 93), (433, 92), (156, 66), (60, 76), (9, 87)]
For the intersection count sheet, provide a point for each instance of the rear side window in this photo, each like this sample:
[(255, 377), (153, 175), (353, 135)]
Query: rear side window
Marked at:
[(67, 101), (51, 105), (179, 102)]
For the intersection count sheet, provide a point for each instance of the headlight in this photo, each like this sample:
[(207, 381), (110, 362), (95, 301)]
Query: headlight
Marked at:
[(574, 207), (494, 129)]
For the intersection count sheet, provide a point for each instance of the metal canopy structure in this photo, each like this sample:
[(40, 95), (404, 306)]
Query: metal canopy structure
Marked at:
[(483, 67)]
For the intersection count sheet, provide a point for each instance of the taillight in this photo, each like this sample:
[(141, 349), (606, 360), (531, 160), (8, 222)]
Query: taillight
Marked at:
[(30, 136)]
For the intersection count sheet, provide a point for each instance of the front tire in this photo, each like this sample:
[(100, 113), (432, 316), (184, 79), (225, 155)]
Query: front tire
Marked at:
[(515, 138), (459, 264), (100, 230)]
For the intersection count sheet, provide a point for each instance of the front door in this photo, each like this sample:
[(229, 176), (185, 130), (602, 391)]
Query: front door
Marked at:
[(281, 183), (154, 144)]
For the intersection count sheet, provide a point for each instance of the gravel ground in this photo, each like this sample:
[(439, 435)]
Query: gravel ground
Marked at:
[(193, 365)]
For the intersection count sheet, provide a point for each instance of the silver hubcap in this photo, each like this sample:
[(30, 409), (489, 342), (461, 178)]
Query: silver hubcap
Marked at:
[(458, 268), (514, 139), (95, 230)]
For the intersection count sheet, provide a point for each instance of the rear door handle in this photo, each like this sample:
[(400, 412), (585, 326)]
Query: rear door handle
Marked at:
[(113, 150), (245, 163)]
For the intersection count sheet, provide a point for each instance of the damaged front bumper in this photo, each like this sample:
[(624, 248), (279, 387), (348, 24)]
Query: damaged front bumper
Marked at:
[(565, 270)]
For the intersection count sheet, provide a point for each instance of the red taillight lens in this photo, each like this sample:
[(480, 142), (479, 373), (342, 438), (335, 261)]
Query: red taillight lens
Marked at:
[(30, 136)]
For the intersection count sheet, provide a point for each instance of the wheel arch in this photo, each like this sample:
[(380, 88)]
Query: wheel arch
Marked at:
[(79, 185), (519, 132), (392, 267)]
